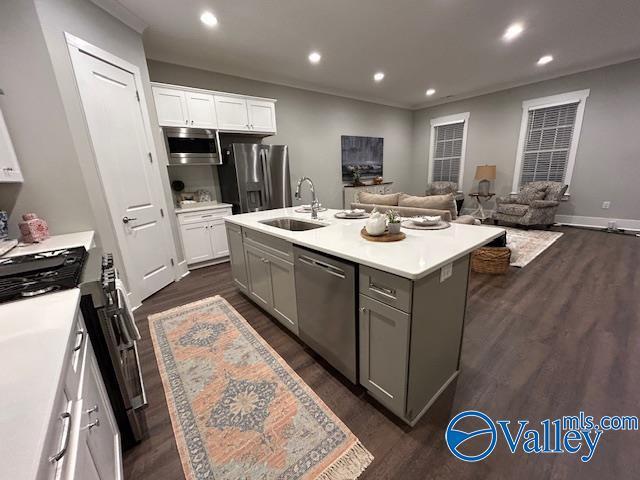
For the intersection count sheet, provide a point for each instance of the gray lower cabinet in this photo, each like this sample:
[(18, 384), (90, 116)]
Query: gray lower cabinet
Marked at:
[(259, 276), (236, 255), (271, 284), (384, 341), (410, 336)]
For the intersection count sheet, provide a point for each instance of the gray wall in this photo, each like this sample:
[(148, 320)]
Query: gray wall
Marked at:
[(311, 124), (608, 159), (53, 184), (92, 24)]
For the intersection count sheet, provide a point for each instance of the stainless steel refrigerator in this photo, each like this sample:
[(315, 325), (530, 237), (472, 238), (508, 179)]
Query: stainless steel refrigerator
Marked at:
[(255, 177)]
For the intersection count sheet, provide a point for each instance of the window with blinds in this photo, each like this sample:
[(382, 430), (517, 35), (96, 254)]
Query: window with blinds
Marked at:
[(547, 143), (447, 152)]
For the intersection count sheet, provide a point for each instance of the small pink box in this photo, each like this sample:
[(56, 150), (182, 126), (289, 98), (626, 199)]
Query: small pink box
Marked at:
[(33, 229)]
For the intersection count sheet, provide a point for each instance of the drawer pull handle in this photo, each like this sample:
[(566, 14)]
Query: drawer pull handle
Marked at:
[(363, 309), (95, 423), (94, 409), (66, 418), (388, 292), (78, 346)]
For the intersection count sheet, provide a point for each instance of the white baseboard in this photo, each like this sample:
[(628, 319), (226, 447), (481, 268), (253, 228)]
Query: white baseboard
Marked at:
[(597, 222), (182, 270)]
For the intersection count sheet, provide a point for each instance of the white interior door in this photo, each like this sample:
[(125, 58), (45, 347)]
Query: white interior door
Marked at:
[(130, 180)]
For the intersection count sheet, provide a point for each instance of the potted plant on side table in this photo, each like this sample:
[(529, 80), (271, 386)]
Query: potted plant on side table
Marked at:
[(393, 221)]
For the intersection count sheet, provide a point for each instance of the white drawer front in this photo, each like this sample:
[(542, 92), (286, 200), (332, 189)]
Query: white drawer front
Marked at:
[(203, 215)]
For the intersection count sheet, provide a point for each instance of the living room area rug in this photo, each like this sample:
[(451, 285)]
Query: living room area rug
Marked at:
[(238, 411), (526, 245)]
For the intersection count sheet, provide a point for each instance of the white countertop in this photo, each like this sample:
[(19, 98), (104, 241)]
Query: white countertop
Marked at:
[(207, 206), (55, 242), (422, 252), (33, 348)]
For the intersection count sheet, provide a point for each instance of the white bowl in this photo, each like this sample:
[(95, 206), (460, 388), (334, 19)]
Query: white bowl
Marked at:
[(426, 220)]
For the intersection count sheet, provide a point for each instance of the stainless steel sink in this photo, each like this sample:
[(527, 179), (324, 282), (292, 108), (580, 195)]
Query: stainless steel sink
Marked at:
[(292, 224)]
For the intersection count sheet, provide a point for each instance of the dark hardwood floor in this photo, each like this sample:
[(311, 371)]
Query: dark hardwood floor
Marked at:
[(558, 336)]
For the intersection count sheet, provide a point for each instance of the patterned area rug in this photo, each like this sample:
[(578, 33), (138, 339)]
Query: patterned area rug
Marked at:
[(526, 245), (238, 410)]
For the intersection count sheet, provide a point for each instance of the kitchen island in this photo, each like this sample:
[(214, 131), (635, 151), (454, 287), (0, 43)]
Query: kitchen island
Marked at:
[(395, 323)]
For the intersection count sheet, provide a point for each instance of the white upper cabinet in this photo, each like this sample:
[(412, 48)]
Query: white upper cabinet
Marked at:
[(190, 107), (232, 113), (262, 115), (9, 168), (202, 110), (171, 105)]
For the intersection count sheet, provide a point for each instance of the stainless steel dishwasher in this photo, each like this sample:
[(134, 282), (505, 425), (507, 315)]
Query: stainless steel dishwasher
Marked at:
[(326, 297)]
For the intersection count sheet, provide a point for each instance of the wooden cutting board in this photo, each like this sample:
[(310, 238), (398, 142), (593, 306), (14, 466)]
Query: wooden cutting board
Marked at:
[(387, 237)]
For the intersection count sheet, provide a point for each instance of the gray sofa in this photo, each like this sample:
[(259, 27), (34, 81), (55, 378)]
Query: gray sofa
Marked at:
[(535, 204), (410, 206)]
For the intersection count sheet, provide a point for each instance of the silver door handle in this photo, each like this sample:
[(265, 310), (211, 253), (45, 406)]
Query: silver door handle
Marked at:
[(66, 418), (128, 219), (382, 290), (79, 344), (191, 122), (363, 310), (186, 122), (95, 423), (264, 260), (93, 409)]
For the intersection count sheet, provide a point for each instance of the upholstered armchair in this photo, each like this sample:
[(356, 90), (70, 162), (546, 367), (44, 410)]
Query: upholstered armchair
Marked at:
[(442, 188), (535, 204)]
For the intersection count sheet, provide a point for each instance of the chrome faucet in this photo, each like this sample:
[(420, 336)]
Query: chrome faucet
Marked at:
[(315, 205)]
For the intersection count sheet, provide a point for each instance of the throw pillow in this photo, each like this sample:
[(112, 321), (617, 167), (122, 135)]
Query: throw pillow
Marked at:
[(378, 199), (528, 194), (434, 202)]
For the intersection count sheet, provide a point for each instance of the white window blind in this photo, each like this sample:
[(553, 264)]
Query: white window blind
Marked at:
[(447, 152), (547, 144)]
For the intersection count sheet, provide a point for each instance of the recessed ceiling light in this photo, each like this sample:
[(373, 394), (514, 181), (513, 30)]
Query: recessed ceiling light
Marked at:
[(314, 57), (209, 19), (545, 59), (431, 91), (378, 76), (513, 31)]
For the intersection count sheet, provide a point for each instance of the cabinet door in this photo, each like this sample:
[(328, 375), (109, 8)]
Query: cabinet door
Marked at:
[(171, 105), (102, 435), (384, 349), (262, 116), (232, 113), (86, 468), (236, 255), (196, 242), (9, 169), (202, 110), (259, 276), (283, 291), (218, 238)]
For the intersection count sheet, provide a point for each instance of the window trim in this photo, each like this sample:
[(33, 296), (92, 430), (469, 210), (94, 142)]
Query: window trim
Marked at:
[(546, 102), (448, 120)]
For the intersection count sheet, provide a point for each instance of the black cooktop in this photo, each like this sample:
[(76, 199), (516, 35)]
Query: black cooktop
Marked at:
[(28, 276)]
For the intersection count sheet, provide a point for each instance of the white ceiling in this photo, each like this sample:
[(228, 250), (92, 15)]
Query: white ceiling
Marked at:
[(454, 46)]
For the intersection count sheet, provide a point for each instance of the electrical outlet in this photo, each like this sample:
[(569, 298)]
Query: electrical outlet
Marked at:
[(606, 205), (446, 271)]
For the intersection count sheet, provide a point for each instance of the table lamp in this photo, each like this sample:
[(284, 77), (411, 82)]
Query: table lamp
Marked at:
[(485, 173)]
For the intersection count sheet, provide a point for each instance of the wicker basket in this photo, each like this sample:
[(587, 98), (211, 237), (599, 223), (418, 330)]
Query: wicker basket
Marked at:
[(491, 260)]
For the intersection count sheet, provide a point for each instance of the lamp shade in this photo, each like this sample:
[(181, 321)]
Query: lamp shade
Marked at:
[(486, 172)]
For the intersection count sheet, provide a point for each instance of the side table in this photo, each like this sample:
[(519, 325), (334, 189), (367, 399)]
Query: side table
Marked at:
[(481, 200)]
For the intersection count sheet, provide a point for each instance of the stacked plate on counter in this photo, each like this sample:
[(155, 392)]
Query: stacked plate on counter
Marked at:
[(425, 222), (354, 214)]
